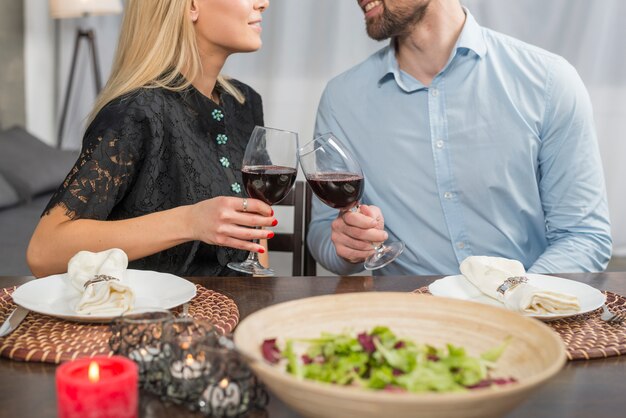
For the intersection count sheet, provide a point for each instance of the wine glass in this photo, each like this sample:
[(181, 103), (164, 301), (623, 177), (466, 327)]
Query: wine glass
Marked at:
[(336, 178), (268, 170)]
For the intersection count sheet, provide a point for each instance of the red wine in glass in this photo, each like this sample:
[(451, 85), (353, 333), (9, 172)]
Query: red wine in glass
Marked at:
[(268, 171), (337, 190), (269, 183), (336, 178)]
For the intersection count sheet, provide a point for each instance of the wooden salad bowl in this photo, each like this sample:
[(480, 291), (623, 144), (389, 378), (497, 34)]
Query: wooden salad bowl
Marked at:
[(534, 355)]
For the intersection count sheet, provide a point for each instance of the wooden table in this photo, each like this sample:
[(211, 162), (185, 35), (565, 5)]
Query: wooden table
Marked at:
[(585, 389)]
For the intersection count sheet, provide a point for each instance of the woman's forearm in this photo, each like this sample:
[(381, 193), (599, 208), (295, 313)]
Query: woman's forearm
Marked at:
[(57, 238)]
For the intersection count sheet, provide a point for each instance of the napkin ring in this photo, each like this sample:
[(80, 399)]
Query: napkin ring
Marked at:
[(100, 278), (511, 283)]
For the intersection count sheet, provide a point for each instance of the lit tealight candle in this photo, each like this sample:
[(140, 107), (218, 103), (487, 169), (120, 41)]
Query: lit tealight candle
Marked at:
[(224, 395), (190, 368), (99, 387)]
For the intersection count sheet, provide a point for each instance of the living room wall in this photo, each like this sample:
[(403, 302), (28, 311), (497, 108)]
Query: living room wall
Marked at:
[(12, 110), (48, 48)]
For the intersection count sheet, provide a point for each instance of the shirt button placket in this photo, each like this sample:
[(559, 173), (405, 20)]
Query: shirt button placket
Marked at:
[(446, 181)]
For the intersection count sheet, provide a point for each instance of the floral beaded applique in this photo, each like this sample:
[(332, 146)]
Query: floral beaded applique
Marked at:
[(221, 139), (217, 115)]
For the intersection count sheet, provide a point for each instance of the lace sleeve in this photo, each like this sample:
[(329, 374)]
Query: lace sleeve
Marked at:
[(111, 154)]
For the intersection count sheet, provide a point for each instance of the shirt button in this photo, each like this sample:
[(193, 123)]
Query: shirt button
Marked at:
[(460, 245), (439, 144), (448, 195), (434, 92)]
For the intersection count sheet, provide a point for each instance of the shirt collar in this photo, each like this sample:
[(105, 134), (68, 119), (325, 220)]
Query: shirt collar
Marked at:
[(470, 39)]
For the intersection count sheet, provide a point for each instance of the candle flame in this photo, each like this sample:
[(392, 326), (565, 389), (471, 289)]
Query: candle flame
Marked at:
[(94, 372), (189, 360), (224, 383)]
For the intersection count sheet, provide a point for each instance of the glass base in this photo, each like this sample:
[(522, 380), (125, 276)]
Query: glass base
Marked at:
[(251, 267), (385, 255)]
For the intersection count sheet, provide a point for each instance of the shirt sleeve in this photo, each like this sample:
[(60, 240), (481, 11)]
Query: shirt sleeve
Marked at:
[(107, 165), (320, 244), (571, 181)]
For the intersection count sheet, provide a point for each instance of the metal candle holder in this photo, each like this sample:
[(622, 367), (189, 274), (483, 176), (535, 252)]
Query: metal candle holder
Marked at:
[(186, 361), (139, 336), (230, 387)]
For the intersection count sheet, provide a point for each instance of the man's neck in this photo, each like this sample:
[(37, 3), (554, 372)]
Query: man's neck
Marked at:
[(424, 52)]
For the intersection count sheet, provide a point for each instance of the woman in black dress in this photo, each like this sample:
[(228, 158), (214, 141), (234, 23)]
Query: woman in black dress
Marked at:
[(158, 175)]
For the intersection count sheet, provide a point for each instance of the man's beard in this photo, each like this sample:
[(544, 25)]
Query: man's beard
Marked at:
[(396, 23)]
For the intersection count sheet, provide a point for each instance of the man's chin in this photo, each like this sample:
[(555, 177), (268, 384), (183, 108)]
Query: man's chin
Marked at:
[(375, 32)]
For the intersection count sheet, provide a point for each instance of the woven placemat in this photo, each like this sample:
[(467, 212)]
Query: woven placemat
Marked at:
[(587, 336), (41, 338)]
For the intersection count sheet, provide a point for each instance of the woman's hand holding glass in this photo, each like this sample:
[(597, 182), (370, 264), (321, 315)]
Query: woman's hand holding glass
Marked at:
[(228, 222)]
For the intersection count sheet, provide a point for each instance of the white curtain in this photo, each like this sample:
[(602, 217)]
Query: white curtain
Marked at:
[(306, 42)]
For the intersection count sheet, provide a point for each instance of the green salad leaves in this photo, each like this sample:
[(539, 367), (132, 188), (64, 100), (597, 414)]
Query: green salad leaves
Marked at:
[(380, 360)]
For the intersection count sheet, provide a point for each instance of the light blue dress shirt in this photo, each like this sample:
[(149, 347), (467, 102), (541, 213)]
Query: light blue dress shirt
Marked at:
[(498, 156)]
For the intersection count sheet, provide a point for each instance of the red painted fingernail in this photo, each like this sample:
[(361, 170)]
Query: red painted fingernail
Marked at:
[(270, 235), (261, 250), (275, 222), (272, 214)]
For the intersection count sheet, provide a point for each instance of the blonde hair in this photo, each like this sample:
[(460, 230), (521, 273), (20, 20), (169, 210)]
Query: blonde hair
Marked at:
[(157, 44)]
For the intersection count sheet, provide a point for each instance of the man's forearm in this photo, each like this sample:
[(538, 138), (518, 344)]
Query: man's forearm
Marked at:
[(575, 253)]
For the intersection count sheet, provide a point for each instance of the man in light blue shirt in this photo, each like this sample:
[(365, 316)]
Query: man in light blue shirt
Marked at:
[(471, 143)]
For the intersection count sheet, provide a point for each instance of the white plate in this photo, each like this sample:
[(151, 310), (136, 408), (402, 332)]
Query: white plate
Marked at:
[(458, 287), (53, 296)]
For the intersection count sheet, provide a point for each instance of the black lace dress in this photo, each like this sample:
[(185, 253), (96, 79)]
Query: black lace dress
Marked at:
[(154, 150)]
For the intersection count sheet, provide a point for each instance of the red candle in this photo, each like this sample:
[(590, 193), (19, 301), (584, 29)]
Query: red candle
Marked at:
[(98, 387)]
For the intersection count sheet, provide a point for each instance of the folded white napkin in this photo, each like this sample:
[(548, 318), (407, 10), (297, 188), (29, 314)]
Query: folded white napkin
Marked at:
[(489, 273), (107, 297)]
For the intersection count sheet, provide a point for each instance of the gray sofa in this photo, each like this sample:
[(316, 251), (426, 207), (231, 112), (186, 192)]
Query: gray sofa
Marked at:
[(30, 171)]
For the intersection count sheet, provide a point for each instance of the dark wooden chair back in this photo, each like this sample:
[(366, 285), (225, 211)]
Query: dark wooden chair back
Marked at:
[(303, 263), (292, 242), (310, 266)]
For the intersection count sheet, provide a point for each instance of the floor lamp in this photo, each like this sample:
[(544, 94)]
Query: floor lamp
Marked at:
[(64, 9)]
